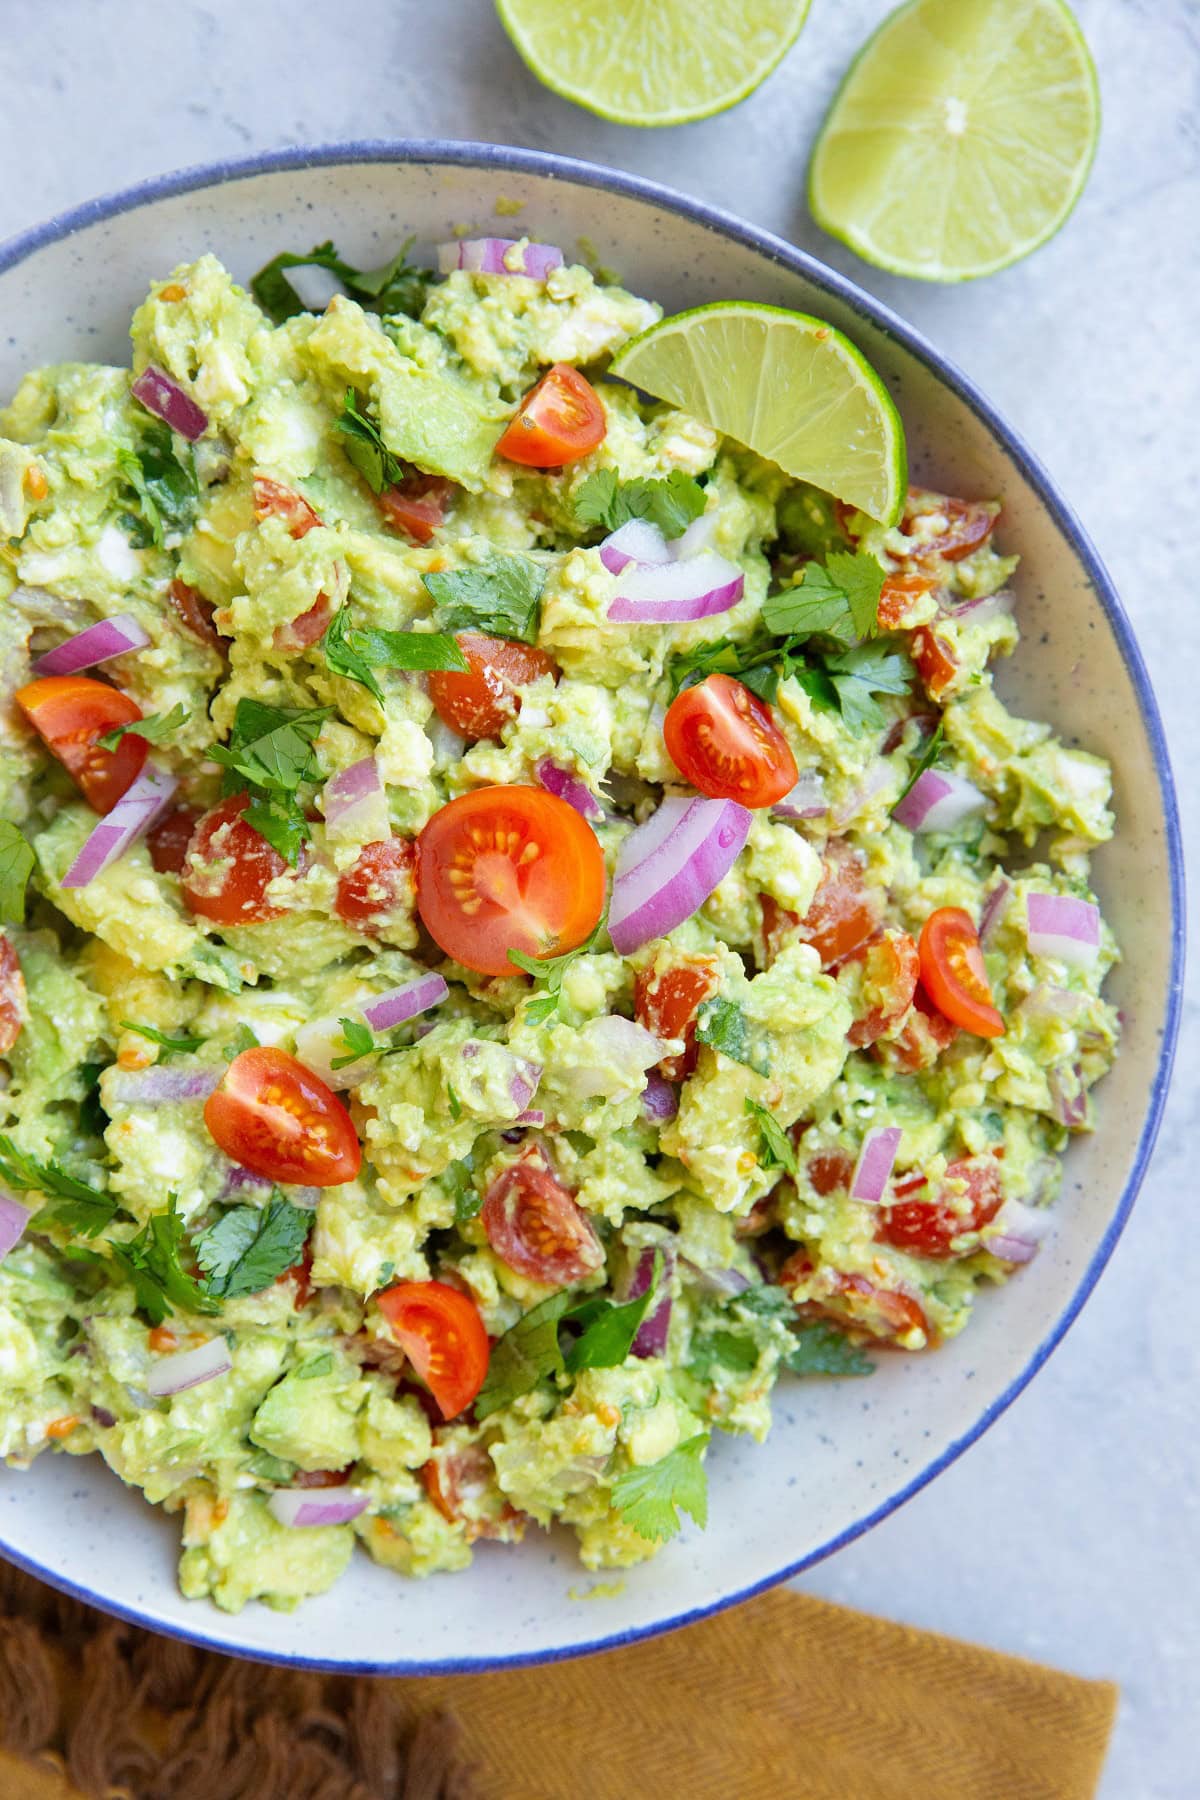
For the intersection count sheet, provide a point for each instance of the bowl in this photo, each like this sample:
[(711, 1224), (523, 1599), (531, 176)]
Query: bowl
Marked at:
[(843, 1455)]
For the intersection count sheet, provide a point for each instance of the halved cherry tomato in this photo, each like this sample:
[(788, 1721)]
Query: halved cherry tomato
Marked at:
[(936, 662), (724, 740), (168, 840), (13, 1005), (378, 886), (443, 1336), (534, 1225), (666, 1001), (417, 507), (558, 421), (69, 712), (969, 524), (830, 1171), (480, 702), (953, 973), (196, 615), (508, 868), (273, 500), (890, 967), (932, 1226), (278, 1119), (843, 914), (305, 630), (925, 1034), (461, 1483), (887, 1313), (900, 592), (228, 866)]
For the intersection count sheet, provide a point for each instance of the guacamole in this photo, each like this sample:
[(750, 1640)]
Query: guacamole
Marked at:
[(527, 926)]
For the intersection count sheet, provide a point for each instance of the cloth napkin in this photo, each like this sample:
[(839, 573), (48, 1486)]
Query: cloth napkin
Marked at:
[(784, 1696)]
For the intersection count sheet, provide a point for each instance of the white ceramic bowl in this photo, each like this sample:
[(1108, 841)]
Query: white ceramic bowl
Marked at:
[(841, 1455)]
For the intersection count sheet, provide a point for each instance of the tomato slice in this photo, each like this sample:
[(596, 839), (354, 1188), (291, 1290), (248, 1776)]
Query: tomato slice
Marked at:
[(228, 865), (900, 592), (168, 840), (305, 630), (196, 615), (377, 887), (886, 1313), (890, 967), (666, 1002), (933, 1226), (724, 740), (273, 500), (69, 712), (936, 662), (534, 1225), (558, 421), (442, 1334), (830, 1171), (843, 914), (278, 1119), (461, 1483), (953, 972), (12, 996), (417, 507), (779, 927), (508, 868), (970, 524), (479, 703)]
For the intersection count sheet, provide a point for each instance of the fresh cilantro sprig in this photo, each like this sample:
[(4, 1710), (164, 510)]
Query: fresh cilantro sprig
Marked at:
[(722, 1024), (758, 664), (549, 972), (151, 1261), (178, 1045), (651, 1498), (357, 653), (16, 866), (270, 755), (74, 1206), (501, 597), (365, 448), (821, 1349), (156, 728), (670, 502), (161, 485), (807, 1348), (316, 1366), (839, 599), (468, 1201), (926, 760), (247, 1249), (858, 674), (776, 1150), (396, 287), (359, 1040)]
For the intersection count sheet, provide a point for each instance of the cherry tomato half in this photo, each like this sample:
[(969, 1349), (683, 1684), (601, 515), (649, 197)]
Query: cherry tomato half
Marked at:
[(900, 592), (558, 421), (69, 712), (666, 1002), (461, 1483), (12, 996), (843, 914), (887, 1313), (228, 866), (377, 887), (534, 1225), (443, 1336), (306, 629), (195, 614), (923, 1037), (278, 1119), (479, 702), (417, 507), (953, 973), (724, 740), (932, 1225), (936, 662), (890, 967), (168, 840), (969, 524), (508, 868), (273, 500)]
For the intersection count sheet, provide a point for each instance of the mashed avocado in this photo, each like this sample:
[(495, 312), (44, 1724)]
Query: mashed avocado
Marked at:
[(326, 1217)]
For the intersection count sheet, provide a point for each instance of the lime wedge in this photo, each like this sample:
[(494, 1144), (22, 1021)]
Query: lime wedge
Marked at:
[(960, 139), (652, 62), (791, 388)]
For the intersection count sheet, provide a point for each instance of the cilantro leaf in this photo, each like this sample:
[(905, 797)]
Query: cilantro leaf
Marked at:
[(527, 1354), (776, 1150), (501, 597), (16, 865), (824, 1350), (75, 1205), (926, 760), (282, 822), (726, 1349), (155, 727), (766, 1302), (860, 577), (808, 522), (163, 486), (722, 1024), (649, 1499), (356, 653), (756, 664), (169, 1044), (242, 1039), (468, 1201), (838, 600), (150, 1260), (549, 970), (270, 754), (858, 674), (396, 287), (365, 446), (359, 1040), (317, 1365), (611, 1326), (250, 1246), (669, 502)]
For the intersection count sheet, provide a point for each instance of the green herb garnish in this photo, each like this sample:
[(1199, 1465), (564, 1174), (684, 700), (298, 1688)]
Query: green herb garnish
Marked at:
[(156, 728), (669, 502), (150, 1260), (178, 1045), (270, 756), (359, 1040), (16, 866), (251, 1246), (396, 287), (500, 597), (776, 1150), (74, 1205), (161, 484), (549, 971), (357, 653), (722, 1024), (650, 1499)]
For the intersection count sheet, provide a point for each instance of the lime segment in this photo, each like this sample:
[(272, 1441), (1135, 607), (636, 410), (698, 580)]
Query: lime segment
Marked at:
[(653, 62), (960, 139), (789, 387)]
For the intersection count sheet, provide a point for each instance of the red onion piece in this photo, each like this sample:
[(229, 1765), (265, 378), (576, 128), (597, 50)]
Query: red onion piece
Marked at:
[(938, 801), (676, 592), (317, 1506), (1016, 1232), (989, 606), (487, 256), (161, 1085), (721, 1284), (405, 1002), (1059, 925), (659, 1099), (651, 1339), (99, 642), (133, 815), (523, 1085), (698, 536), (993, 907), (568, 787), (667, 868), (1069, 1097), (637, 541), (245, 1181), (13, 1219), (1046, 1002), (188, 1368), (164, 397), (875, 1163), (356, 808), (807, 800), (531, 1116)]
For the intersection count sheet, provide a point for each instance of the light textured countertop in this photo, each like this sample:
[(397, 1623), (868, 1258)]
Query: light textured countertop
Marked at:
[(1071, 1532)]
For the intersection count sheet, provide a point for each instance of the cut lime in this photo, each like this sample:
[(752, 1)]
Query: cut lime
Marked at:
[(653, 62), (791, 388), (960, 139)]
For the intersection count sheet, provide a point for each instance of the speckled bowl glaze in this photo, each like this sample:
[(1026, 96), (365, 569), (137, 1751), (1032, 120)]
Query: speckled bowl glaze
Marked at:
[(841, 1455)]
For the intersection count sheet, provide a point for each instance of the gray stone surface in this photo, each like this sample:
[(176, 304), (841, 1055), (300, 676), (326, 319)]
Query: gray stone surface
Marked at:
[(1070, 1533)]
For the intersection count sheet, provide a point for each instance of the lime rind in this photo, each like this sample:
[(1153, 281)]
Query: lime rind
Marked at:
[(790, 387)]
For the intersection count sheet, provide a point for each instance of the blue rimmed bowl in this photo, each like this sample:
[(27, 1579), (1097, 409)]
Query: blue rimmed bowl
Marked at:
[(841, 1456)]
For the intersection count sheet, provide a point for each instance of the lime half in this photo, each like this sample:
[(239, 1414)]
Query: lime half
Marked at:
[(653, 62), (791, 388), (960, 139)]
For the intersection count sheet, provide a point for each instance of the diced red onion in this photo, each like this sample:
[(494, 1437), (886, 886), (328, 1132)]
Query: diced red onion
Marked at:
[(1070, 1108), (103, 1417), (623, 1051), (531, 1116), (487, 256), (317, 1506), (721, 1284), (938, 801), (698, 536), (244, 1181), (993, 906), (13, 1219), (313, 286), (659, 1099), (523, 1085), (1060, 925), (876, 1160), (405, 1002), (164, 397), (651, 1339), (163, 1084), (676, 592), (188, 1368), (129, 819), (568, 787), (989, 606), (356, 808), (1016, 1232), (667, 868), (637, 541), (807, 800), (96, 644)]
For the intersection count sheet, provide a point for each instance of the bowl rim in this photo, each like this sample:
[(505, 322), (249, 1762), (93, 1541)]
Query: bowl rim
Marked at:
[(466, 153)]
